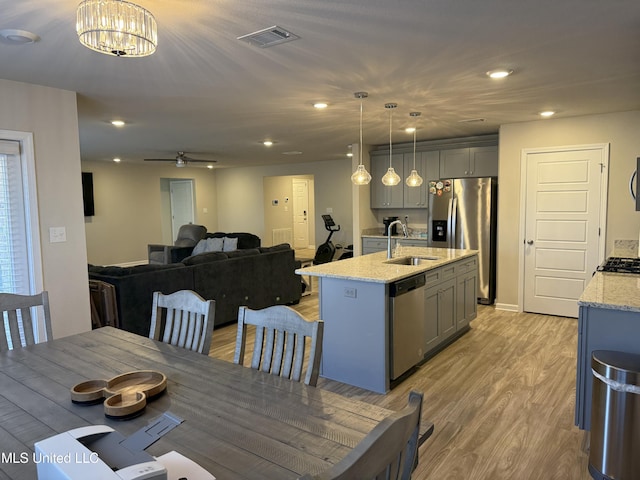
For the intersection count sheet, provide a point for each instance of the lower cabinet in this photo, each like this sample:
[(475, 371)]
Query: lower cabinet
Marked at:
[(440, 319), (450, 302)]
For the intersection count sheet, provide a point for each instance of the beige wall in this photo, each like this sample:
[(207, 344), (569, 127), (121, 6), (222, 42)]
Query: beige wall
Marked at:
[(241, 195), (281, 215), (130, 208), (51, 115), (619, 130)]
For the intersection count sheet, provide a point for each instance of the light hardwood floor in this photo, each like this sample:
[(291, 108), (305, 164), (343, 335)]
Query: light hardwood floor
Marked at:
[(501, 398)]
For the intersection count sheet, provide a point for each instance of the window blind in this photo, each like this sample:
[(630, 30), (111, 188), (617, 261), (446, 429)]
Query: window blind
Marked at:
[(14, 258)]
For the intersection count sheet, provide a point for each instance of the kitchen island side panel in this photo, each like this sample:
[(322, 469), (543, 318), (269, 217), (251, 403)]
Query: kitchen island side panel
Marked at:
[(355, 348), (601, 329)]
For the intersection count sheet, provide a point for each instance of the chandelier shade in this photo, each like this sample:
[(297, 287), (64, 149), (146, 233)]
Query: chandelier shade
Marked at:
[(391, 178), (361, 176), (116, 27), (414, 179)]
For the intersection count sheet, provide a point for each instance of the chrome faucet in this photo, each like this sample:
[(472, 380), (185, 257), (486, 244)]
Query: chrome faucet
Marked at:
[(389, 229)]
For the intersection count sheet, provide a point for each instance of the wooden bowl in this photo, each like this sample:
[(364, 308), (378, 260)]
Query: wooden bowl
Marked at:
[(126, 394)]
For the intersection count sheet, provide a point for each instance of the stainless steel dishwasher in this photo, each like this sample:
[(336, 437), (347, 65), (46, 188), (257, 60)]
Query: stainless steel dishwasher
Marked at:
[(406, 304)]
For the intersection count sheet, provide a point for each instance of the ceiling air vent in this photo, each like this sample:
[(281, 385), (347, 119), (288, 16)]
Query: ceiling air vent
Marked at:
[(269, 37)]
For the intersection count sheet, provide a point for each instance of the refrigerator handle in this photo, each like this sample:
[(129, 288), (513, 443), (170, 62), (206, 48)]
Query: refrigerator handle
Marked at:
[(451, 227)]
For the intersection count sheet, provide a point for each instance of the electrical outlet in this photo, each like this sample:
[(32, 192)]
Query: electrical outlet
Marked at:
[(350, 292)]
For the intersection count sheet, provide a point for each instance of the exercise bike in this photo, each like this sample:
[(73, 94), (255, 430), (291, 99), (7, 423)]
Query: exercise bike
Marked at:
[(326, 251)]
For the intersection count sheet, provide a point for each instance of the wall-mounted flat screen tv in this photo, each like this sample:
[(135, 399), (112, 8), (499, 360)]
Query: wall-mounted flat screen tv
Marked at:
[(87, 194)]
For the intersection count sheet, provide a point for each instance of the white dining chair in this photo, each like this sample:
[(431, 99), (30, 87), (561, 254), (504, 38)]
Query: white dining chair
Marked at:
[(184, 319), (280, 342), (18, 325), (388, 452)]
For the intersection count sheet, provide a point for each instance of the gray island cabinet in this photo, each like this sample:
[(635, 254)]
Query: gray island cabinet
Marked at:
[(356, 297), (609, 319)]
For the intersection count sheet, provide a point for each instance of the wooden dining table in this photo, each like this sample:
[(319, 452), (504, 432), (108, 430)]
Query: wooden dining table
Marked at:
[(239, 423)]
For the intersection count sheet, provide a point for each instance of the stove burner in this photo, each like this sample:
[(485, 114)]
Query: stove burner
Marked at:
[(621, 265)]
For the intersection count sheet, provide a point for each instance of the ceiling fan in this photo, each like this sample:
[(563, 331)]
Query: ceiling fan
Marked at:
[(181, 160)]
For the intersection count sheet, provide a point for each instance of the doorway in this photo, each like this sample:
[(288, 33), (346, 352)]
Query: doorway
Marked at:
[(563, 225), (182, 204), (289, 211)]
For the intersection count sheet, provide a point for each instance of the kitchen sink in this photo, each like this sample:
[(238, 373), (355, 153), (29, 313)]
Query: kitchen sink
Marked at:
[(411, 260)]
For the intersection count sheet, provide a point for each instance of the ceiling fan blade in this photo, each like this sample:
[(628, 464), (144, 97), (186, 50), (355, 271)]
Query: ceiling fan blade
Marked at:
[(190, 160), (159, 159)]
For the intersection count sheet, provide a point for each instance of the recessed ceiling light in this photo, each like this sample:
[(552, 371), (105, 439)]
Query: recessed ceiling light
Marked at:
[(210, 167), (267, 143), (117, 123), (18, 37), (499, 73), (117, 160), (349, 154), (410, 129), (320, 105), (547, 113)]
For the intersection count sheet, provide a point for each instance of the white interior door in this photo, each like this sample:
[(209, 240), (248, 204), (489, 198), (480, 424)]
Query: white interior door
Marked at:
[(182, 204), (562, 238), (300, 213)]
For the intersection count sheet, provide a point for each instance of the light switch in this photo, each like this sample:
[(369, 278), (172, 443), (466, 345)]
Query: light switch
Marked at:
[(57, 234), (205, 210)]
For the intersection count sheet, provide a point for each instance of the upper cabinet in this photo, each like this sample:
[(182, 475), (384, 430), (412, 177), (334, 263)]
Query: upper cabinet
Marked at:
[(469, 162), (383, 196), (428, 167)]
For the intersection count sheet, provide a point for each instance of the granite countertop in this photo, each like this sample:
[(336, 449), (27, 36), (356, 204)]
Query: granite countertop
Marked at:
[(399, 237), (371, 268), (617, 291)]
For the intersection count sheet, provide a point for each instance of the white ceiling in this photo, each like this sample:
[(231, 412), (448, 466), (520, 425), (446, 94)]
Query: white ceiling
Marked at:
[(213, 96)]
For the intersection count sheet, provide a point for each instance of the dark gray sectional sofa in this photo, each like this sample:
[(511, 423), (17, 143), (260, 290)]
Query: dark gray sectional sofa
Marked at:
[(255, 277)]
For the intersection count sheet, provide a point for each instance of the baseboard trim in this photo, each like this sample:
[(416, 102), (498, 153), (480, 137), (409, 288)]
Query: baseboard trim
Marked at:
[(507, 307)]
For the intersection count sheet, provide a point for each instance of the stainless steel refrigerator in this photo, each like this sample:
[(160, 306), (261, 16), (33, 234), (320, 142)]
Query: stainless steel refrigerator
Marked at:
[(462, 214)]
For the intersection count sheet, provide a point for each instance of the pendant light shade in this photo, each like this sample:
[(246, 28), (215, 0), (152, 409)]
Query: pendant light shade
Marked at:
[(414, 179), (391, 178), (361, 176), (116, 27)]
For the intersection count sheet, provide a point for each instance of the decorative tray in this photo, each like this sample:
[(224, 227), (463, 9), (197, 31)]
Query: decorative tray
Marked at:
[(124, 396)]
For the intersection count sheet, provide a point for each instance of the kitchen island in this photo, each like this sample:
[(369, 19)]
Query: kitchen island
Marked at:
[(609, 319), (358, 299)]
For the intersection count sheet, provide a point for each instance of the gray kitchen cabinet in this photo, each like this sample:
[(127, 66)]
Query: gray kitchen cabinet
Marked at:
[(383, 196), (428, 167), (466, 298), (469, 162), (440, 319)]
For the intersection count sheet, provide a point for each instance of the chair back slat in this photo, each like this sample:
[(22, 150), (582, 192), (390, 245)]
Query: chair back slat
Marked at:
[(388, 452), (279, 346), (188, 320), (19, 327)]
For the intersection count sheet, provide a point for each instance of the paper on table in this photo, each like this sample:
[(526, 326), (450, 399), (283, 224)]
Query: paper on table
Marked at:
[(178, 466)]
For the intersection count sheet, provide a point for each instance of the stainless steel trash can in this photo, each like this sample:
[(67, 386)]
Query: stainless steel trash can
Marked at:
[(614, 452)]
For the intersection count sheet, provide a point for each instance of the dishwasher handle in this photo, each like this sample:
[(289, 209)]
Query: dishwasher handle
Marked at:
[(406, 285)]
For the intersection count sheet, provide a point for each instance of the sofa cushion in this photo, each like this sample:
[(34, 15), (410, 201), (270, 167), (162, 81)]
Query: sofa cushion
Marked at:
[(206, 257), (201, 247), (230, 244), (115, 271), (275, 248), (243, 253), (245, 240)]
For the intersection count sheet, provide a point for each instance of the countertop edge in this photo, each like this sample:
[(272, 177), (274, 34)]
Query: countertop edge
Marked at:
[(612, 291), (392, 272)]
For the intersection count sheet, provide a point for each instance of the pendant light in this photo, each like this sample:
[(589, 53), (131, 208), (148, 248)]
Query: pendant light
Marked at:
[(391, 178), (414, 180), (361, 176)]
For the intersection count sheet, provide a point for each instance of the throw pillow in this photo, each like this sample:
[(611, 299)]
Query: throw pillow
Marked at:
[(201, 247), (230, 244), (214, 244)]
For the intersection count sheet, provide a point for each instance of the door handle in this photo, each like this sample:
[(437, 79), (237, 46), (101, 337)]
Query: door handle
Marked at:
[(529, 242)]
